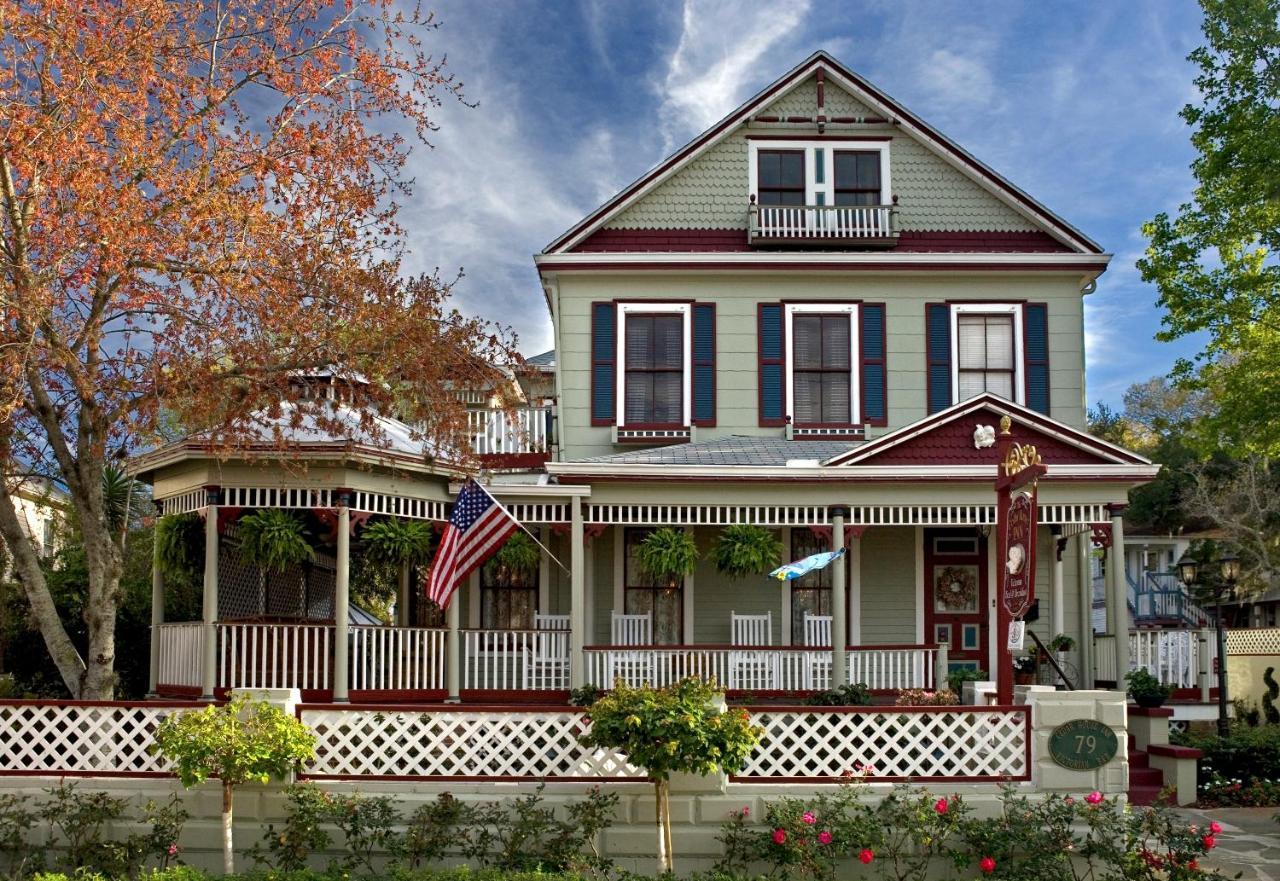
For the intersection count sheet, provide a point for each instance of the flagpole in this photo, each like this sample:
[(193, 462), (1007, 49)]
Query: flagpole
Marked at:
[(524, 528)]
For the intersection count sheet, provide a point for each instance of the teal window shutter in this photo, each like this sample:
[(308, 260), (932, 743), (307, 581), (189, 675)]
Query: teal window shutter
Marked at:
[(875, 404), (704, 364), (1036, 333), (769, 341), (604, 367), (938, 355)]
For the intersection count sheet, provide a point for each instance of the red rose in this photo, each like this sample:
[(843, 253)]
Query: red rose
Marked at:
[(987, 865), (779, 836), (867, 855)]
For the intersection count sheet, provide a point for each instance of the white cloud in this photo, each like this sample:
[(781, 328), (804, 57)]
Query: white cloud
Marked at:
[(722, 49), (959, 79)]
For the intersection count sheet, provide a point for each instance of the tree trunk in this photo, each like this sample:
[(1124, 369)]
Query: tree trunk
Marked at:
[(665, 863), (228, 847)]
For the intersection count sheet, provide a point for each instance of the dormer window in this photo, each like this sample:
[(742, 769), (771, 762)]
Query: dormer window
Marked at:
[(820, 192)]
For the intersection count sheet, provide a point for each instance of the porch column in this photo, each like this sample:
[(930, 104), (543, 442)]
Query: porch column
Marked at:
[(209, 617), (577, 595), (1084, 590), (453, 650), (157, 609), (342, 601), (839, 603), (1119, 598), (1057, 602)]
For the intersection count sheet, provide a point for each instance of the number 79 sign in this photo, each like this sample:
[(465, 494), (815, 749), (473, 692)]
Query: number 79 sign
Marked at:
[(1083, 744)]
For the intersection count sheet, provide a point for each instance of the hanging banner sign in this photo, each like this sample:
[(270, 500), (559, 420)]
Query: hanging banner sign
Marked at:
[(1019, 565), (1017, 635)]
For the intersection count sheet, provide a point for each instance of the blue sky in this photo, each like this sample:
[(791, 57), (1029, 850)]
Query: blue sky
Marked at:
[(1076, 102)]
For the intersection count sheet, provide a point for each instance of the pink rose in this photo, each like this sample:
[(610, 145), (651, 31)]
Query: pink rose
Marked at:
[(1069, 800), (824, 837), (867, 855), (1215, 827), (1094, 797), (808, 818), (987, 865), (173, 850), (1209, 842), (779, 836), (940, 806)]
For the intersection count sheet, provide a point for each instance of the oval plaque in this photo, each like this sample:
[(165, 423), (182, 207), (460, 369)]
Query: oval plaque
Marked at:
[(1083, 744)]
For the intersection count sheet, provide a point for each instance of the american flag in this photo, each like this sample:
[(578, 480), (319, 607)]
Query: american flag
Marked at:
[(477, 528)]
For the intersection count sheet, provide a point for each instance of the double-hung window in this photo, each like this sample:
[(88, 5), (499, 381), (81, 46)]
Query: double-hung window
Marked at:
[(781, 177), (653, 349), (988, 340), (822, 364), (820, 172), (857, 178)]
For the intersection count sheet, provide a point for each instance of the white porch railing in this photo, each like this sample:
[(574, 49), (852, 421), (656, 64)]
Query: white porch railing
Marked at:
[(457, 743), (180, 654), (894, 743), (515, 660), (518, 431), (397, 659), (1172, 656), (275, 656), (822, 222), (760, 668)]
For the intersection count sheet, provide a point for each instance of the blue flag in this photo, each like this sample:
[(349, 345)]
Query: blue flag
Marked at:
[(792, 571)]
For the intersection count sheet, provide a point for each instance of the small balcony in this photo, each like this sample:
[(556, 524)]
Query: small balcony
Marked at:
[(823, 226), (512, 439)]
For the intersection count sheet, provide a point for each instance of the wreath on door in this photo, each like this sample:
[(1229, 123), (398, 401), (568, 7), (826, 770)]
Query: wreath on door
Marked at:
[(956, 589)]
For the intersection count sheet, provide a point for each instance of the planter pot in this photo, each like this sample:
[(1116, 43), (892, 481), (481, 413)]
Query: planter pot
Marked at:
[(1024, 678), (1150, 701)]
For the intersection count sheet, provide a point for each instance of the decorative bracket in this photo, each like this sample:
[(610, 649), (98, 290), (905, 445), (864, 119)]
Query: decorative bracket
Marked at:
[(1100, 534)]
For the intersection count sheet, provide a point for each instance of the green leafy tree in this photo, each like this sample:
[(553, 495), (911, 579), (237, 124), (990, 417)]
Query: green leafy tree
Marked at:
[(238, 742), (1214, 262), (683, 728)]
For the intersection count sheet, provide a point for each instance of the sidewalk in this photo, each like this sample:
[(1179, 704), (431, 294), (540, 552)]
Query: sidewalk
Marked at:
[(1249, 844)]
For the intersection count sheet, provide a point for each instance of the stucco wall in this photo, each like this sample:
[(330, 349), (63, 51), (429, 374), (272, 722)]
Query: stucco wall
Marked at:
[(736, 299)]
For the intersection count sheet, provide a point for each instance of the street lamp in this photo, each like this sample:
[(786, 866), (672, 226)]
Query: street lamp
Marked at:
[(1188, 571)]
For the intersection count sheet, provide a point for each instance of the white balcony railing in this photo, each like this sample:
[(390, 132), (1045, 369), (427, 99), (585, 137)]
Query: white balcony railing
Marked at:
[(873, 224), (1172, 656), (515, 660), (397, 659), (494, 432), (275, 656)]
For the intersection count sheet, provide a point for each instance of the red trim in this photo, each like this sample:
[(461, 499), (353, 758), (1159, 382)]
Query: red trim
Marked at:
[(599, 360), (675, 240), (821, 61), (792, 266), (149, 775), (796, 136), (124, 705), (653, 426), (1174, 752), (1151, 712), (514, 460)]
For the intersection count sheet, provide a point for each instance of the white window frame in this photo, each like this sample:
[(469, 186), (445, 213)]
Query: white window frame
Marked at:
[(855, 360), (829, 148), (683, 309), (1014, 309)]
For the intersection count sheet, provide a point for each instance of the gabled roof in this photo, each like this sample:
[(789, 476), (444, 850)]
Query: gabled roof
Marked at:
[(947, 438), (875, 98)]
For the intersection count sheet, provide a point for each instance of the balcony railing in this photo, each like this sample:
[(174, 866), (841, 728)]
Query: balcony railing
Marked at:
[(817, 225), (506, 433)]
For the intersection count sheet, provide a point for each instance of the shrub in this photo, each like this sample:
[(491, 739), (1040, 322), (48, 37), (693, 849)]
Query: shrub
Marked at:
[(16, 822), (1269, 699), (1142, 685), (844, 696), (1245, 755), (919, 697), (585, 695), (958, 677)]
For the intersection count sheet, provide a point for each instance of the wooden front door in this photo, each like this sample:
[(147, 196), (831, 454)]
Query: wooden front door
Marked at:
[(955, 594)]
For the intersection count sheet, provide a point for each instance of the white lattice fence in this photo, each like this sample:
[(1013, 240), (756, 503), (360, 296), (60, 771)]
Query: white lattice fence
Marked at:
[(920, 743), (459, 744), (82, 738), (1263, 641)]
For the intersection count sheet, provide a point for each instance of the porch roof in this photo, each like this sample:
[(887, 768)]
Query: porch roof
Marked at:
[(731, 450)]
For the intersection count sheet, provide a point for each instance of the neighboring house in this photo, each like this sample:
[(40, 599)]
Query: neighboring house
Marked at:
[(805, 319), (42, 509)]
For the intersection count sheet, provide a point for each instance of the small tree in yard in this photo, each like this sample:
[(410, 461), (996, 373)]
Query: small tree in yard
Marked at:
[(680, 728), (238, 742)]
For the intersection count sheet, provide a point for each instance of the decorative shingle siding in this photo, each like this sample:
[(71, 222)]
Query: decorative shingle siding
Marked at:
[(711, 192)]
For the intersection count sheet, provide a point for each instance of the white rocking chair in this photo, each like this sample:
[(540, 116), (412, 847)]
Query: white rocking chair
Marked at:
[(817, 668), (633, 666), (546, 660), (752, 670)]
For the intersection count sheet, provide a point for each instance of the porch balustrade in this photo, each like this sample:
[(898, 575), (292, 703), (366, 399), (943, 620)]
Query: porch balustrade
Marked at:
[(411, 660), (1172, 656), (822, 223), (495, 432)]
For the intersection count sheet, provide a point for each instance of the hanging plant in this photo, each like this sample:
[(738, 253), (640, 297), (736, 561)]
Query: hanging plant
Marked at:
[(398, 542), (274, 539), (519, 555), (668, 554), (744, 550), (179, 542)]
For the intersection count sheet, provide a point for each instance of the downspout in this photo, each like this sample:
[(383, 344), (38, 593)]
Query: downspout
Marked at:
[(551, 290)]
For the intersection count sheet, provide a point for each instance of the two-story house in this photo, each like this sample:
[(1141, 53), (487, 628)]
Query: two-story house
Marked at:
[(811, 318)]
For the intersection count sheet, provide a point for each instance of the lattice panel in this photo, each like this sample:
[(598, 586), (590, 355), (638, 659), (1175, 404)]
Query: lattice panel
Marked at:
[(469, 745), (303, 591), (1264, 641), (56, 738), (944, 744)]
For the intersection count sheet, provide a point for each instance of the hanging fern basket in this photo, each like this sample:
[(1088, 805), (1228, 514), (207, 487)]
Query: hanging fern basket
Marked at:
[(668, 554), (744, 550), (274, 539)]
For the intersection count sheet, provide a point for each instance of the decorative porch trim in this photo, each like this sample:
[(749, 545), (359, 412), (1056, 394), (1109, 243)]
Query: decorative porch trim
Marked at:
[(363, 501), (707, 515)]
